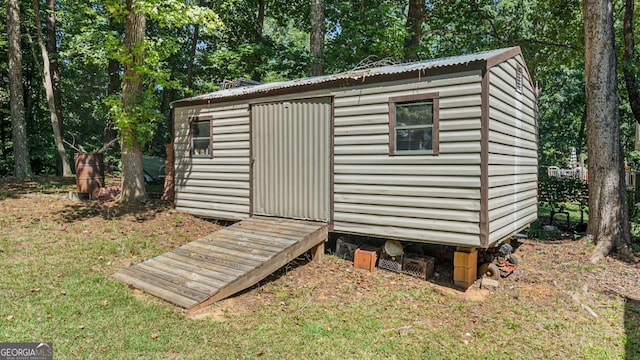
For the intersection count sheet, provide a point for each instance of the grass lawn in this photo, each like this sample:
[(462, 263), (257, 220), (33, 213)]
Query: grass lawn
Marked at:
[(57, 255), (572, 209)]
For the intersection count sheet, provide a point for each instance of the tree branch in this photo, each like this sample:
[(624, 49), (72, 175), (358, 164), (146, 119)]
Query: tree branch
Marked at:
[(549, 43), (486, 18), (107, 146)]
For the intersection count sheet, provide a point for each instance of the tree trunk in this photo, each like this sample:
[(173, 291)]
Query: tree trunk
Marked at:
[(113, 69), (52, 48), (192, 56), (4, 130), (608, 213), (256, 73), (415, 18), (168, 192), (48, 88), (317, 38), (132, 174), (581, 130), (22, 166), (628, 61), (29, 101)]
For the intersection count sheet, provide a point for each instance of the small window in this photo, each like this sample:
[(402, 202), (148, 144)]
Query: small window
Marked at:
[(201, 137), (519, 79), (413, 124)]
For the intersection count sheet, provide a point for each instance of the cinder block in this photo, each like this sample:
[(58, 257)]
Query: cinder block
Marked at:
[(490, 284)]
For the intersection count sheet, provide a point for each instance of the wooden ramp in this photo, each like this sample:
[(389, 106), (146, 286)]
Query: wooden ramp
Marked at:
[(225, 262)]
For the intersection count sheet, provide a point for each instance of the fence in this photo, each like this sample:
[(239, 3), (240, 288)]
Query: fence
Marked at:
[(630, 177), (574, 173)]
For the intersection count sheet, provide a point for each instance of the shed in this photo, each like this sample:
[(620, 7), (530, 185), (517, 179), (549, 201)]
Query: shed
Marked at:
[(441, 151)]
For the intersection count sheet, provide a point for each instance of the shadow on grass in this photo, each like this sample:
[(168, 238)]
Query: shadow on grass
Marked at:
[(632, 327), (112, 210), (14, 187)]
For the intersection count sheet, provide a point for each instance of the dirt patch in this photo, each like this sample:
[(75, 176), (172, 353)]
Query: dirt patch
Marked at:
[(472, 294), (539, 291), (548, 271)]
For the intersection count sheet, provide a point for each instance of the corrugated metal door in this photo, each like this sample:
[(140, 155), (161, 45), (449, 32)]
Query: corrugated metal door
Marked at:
[(291, 143)]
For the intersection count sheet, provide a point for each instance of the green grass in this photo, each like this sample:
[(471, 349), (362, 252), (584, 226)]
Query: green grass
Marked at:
[(56, 287), (574, 213)]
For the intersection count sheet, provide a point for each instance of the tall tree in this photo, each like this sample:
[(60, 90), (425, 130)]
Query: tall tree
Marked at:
[(47, 80), (415, 18), (113, 85), (52, 48), (317, 38), (132, 96), (629, 66), (608, 214), (256, 73), (22, 165), (192, 56)]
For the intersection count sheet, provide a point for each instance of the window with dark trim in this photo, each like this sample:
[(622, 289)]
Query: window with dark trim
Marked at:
[(200, 133), (413, 124)]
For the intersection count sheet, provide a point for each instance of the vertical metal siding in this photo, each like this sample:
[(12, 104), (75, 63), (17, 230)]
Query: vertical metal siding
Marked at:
[(291, 151)]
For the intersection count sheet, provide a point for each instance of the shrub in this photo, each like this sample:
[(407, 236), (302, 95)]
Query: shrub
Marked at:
[(555, 192)]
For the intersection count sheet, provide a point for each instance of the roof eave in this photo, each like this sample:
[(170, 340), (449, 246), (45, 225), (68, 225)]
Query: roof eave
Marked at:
[(342, 83)]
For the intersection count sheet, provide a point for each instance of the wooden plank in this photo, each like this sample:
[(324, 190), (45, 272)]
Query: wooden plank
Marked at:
[(235, 241), (272, 232), (267, 268), (241, 245), (213, 260), (254, 234), (267, 231), (266, 226), (274, 221), (199, 263), (291, 223), (301, 225), (317, 252), (225, 253), (193, 286), (168, 285), (209, 275), (161, 264), (231, 260), (132, 279), (157, 287), (274, 246)]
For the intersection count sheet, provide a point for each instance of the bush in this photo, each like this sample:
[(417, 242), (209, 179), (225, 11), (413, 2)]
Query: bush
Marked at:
[(556, 192)]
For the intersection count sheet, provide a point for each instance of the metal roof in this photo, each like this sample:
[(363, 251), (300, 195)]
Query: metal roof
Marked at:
[(350, 75)]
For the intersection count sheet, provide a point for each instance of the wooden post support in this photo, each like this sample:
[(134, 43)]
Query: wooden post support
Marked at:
[(465, 267), (317, 252)]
